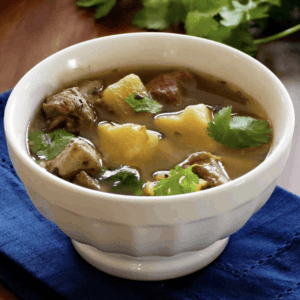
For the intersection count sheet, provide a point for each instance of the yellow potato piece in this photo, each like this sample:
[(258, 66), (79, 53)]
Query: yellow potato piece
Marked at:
[(113, 96), (127, 144), (190, 126)]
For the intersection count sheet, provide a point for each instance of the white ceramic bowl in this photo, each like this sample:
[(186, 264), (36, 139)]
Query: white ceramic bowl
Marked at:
[(146, 234)]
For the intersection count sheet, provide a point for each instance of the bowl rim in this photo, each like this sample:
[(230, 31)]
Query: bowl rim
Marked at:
[(274, 156)]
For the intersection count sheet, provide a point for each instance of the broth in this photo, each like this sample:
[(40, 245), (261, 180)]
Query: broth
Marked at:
[(213, 92)]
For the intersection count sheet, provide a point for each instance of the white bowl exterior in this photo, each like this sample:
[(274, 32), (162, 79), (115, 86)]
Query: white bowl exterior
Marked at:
[(141, 226)]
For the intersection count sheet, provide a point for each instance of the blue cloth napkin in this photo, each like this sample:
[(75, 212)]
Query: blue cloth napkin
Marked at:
[(38, 261)]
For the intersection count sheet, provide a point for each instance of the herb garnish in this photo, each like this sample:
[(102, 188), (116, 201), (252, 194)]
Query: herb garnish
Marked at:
[(181, 181), (49, 145), (237, 131), (124, 178), (103, 7), (225, 21), (102, 171), (143, 104)]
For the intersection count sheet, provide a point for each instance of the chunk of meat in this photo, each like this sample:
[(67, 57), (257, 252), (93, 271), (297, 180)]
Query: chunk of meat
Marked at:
[(168, 87), (207, 167), (91, 89), (87, 181), (77, 156), (69, 106)]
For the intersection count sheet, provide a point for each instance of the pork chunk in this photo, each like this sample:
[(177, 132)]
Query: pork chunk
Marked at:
[(70, 107), (91, 90), (168, 88), (87, 181), (208, 167), (77, 156)]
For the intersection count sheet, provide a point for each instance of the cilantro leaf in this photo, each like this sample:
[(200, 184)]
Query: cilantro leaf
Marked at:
[(208, 7), (238, 132), (200, 24), (49, 145), (143, 104), (239, 13), (181, 181), (103, 9), (102, 171), (124, 177), (160, 14), (241, 39), (205, 26), (88, 3)]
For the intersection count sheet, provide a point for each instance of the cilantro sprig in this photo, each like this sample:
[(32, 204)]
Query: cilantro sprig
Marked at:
[(143, 104), (238, 131), (124, 178), (103, 7), (225, 21), (49, 145), (181, 181)]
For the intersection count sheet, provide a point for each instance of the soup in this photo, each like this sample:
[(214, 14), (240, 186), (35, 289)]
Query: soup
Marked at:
[(145, 132)]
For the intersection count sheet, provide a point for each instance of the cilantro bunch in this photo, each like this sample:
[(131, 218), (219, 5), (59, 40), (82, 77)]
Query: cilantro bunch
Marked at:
[(225, 21)]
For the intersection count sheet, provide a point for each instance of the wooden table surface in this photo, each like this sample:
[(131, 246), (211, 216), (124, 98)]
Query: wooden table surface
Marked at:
[(31, 30)]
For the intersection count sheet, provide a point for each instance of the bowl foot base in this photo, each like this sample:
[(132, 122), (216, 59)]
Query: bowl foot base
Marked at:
[(150, 268)]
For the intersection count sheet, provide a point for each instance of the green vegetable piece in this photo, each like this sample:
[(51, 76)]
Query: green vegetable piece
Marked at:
[(181, 181), (241, 39), (237, 131), (208, 7), (128, 179), (88, 3), (160, 14), (143, 104), (239, 13), (103, 9), (102, 171), (49, 145), (201, 25)]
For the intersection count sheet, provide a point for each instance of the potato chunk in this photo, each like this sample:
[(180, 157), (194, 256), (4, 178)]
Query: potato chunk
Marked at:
[(190, 126), (127, 144), (113, 97)]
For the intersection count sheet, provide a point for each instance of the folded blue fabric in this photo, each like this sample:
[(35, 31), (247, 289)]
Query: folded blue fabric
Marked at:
[(38, 261)]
